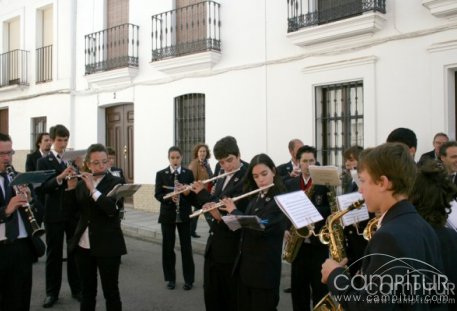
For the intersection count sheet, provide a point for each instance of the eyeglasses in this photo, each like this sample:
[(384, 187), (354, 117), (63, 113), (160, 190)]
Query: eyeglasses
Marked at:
[(7, 153), (104, 162)]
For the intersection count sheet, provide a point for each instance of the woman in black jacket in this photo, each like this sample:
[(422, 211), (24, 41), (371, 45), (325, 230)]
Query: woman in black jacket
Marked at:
[(98, 241), (258, 266)]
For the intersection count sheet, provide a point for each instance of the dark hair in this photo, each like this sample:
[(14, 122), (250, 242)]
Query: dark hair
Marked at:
[(392, 160), (432, 192), (249, 182), (440, 134), (110, 151), (444, 147), (5, 137), (93, 148), (352, 152), (197, 147), (306, 149), (225, 147), (39, 138), (58, 130), (293, 142), (403, 135), (174, 148)]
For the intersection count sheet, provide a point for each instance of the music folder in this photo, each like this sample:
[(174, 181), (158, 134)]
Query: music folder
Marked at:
[(325, 175), (71, 155), (123, 190), (35, 177), (235, 222)]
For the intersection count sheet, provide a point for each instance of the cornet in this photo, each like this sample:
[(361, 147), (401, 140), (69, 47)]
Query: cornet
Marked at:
[(189, 187), (220, 204)]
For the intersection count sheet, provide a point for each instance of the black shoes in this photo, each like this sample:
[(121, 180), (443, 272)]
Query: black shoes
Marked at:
[(187, 286), (49, 301), (171, 285), (194, 235)]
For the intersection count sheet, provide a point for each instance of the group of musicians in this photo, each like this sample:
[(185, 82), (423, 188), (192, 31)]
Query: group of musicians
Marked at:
[(242, 268)]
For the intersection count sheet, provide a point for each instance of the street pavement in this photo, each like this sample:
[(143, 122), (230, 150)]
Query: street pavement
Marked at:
[(141, 280)]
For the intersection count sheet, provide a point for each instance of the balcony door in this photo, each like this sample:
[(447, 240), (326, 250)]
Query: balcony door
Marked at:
[(12, 60), (190, 24), (119, 136), (116, 36)]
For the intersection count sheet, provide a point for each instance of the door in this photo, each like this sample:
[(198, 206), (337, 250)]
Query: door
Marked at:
[(119, 136), (4, 121)]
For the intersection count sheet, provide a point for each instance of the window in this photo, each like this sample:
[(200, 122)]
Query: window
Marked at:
[(189, 123), (339, 120), (38, 126)]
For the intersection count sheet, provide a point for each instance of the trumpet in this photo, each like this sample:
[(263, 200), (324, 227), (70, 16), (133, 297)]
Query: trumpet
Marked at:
[(81, 175), (36, 228), (220, 204), (189, 187)]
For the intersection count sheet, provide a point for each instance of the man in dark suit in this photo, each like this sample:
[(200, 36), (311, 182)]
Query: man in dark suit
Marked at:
[(42, 148), (16, 249), (174, 214), (291, 169), (438, 140), (98, 242), (59, 219), (305, 277), (115, 171), (448, 155), (403, 250), (219, 285)]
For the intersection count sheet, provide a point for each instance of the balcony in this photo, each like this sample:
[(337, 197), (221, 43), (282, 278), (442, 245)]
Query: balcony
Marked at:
[(112, 55), (333, 20), (44, 64), (191, 33), (13, 68)]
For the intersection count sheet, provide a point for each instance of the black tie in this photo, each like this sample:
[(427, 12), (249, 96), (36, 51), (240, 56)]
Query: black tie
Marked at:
[(11, 226)]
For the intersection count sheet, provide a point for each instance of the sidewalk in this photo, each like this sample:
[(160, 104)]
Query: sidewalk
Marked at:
[(143, 225)]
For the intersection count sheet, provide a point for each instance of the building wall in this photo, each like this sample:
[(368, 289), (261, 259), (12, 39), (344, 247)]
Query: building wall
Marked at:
[(262, 91)]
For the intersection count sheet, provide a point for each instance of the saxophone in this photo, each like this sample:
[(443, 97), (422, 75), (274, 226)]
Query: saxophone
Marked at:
[(332, 234), (296, 236), (371, 228)]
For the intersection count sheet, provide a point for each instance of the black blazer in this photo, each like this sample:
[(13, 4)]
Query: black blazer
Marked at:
[(426, 157), (284, 170), (164, 185), (118, 172), (403, 234), (31, 161), (101, 217), (260, 258), (55, 210), (320, 201), (223, 244), (448, 242)]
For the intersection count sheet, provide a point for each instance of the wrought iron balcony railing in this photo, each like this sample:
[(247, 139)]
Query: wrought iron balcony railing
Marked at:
[(44, 64), (188, 30), (13, 68), (329, 11), (112, 48)]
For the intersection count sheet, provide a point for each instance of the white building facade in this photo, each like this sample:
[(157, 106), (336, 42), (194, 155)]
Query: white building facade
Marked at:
[(143, 75)]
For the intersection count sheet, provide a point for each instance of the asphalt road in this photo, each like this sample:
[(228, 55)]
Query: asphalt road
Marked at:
[(141, 284)]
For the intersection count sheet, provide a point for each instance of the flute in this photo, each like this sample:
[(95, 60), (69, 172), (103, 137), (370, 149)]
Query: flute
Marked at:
[(220, 203), (81, 175), (189, 187)]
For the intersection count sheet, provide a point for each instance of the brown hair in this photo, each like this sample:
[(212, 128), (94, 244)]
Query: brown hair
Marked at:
[(392, 160), (197, 147)]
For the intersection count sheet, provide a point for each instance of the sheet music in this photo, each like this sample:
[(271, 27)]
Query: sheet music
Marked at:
[(452, 217), (356, 215), (298, 208), (325, 175)]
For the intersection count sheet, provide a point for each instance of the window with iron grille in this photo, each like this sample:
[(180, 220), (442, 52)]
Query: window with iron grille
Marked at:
[(189, 123), (38, 126), (339, 120)]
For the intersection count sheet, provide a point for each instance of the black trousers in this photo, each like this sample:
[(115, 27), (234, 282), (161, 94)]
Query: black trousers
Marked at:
[(253, 299), (16, 261), (306, 276), (220, 286), (168, 251), (54, 251), (108, 267)]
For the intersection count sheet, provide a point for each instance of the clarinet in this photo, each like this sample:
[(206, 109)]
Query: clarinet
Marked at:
[(176, 182), (36, 229)]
